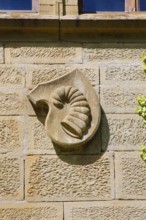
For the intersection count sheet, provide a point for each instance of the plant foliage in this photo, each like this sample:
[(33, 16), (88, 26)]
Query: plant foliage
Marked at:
[(141, 109)]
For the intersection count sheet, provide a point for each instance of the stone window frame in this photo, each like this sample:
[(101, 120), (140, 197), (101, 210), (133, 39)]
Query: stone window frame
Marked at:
[(35, 8)]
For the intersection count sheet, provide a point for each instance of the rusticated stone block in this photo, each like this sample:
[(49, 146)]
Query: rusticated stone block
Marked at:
[(91, 72), (122, 73), (13, 102), (113, 210), (31, 211), (122, 132), (113, 52), (43, 53), (40, 143), (13, 76), (116, 99), (49, 178), (1, 54), (11, 178), (11, 134), (43, 73), (130, 176)]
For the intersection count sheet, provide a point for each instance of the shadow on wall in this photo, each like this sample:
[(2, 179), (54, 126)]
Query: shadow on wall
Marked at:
[(94, 148)]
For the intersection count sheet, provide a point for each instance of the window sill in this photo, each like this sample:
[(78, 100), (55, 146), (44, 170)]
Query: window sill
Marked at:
[(108, 15)]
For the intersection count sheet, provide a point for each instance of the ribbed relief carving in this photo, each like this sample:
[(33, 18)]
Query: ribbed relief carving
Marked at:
[(76, 122)]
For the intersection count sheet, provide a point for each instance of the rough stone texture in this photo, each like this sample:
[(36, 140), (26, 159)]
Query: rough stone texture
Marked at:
[(122, 73), (120, 99), (40, 143), (122, 132), (31, 211), (1, 54), (113, 210), (49, 178), (12, 101), (11, 178), (12, 75), (113, 52), (42, 73), (130, 176), (11, 134), (43, 53)]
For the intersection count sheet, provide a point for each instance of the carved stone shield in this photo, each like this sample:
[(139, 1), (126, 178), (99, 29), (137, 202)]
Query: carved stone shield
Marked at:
[(74, 110)]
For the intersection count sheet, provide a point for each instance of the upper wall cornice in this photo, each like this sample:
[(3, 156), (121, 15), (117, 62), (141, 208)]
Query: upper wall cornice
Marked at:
[(90, 28)]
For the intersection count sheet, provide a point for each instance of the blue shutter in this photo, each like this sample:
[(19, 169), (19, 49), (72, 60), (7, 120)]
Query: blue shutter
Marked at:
[(93, 6), (142, 5), (15, 4)]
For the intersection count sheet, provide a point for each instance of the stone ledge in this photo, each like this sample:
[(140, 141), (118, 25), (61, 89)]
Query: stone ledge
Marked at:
[(85, 27)]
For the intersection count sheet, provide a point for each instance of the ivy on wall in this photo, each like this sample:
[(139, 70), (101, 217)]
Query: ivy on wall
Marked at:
[(141, 109)]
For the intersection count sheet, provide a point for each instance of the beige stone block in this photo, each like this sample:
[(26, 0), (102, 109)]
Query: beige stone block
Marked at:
[(42, 73), (12, 75), (11, 134), (1, 54), (130, 176), (107, 53), (47, 2), (71, 2), (13, 102), (47, 9), (130, 73), (122, 132), (40, 143), (59, 9), (113, 210), (120, 99), (32, 211), (69, 178), (43, 53), (71, 9), (11, 178)]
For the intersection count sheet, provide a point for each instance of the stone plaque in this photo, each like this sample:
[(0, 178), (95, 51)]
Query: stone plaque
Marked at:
[(74, 111)]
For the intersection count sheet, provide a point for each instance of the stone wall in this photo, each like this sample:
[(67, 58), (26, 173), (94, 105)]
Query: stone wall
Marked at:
[(39, 181)]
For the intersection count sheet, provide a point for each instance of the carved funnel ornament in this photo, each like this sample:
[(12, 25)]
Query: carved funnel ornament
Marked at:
[(74, 110)]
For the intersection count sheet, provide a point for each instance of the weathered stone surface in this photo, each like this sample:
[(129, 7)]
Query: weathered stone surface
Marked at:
[(74, 110), (11, 178), (122, 73), (113, 210), (113, 52), (122, 132), (43, 53), (12, 75), (49, 178), (11, 134), (130, 176), (12, 101), (31, 211), (120, 99), (1, 54), (40, 143), (42, 73)]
